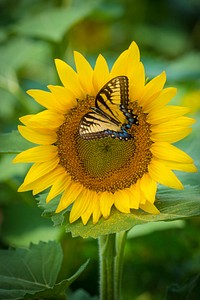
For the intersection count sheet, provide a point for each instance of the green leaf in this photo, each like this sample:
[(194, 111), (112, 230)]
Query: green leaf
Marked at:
[(54, 23), (59, 288), (50, 208), (173, 205), (14, 143), (30, 270), (32, 273)]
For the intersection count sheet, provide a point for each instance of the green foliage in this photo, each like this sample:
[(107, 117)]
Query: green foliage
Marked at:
[(25, 48), (9, 170), (32, 273), (32, 35), (14, 143), (54, 23), (172, 206), (19, 231), (148, 228), (189, 291)]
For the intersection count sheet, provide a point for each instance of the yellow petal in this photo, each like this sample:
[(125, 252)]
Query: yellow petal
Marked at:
[(85, 73), (37, 154), (152, 87), (161, 100), (176, 123), (47, 180), (90, 209), (106, 202), (138, 189), (134, 57), (69, 78), (80, 206), (65, 98), (45, 119), (165, 114), (87, 214), (134, 196), (120, 63), (162, 174), (148, 187), (122, 201), (69, 196), (166, 151), (101, 73), (45, 99), (59, 186), (136, 83), (25, 119), (127, 62), (40, 169), (181, 166), (171, 136), (42, 183), (149, 208), (96, 212), (47, 137)]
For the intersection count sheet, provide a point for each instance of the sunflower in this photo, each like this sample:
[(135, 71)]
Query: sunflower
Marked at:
[(94, 174)]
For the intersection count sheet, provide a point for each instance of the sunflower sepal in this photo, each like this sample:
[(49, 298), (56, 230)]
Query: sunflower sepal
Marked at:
[(50, 207)]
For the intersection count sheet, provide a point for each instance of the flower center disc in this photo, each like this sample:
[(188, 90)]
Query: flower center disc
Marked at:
[(100, 157), (104, 164)]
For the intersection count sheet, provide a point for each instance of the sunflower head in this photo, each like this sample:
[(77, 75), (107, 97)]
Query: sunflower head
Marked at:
[(105, 138)]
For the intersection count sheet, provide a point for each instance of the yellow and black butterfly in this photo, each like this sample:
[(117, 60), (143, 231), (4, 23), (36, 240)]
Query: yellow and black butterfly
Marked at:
[(110, 116)]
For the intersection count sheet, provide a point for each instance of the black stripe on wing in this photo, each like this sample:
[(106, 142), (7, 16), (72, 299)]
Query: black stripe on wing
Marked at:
[(110, 116), (112, 96)]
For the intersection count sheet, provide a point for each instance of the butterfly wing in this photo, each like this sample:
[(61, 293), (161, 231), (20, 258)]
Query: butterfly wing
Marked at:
[(112, 97), (110, 116), (97, 125)]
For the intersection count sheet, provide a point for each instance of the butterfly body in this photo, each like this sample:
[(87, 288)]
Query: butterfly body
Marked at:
[(110, 117)]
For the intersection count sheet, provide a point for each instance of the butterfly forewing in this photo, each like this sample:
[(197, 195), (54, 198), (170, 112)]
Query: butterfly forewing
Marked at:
[(112, 96)]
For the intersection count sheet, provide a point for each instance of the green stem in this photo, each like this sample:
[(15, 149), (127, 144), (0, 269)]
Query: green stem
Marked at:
[(107, 253), (120, 242), (111, 250)]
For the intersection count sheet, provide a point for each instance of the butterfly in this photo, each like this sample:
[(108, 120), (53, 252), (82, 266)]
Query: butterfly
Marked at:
[(110, 117)]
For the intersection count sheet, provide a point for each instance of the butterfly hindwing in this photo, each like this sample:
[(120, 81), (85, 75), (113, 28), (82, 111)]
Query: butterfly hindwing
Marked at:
[(96, 125)]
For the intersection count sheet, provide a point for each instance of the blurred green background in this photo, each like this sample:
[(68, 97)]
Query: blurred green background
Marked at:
[(35, 32)]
